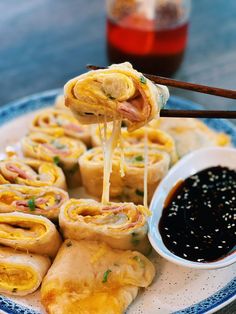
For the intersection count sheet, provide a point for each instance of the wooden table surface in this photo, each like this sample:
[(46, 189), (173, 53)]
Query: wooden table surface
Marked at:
[(43, 43)]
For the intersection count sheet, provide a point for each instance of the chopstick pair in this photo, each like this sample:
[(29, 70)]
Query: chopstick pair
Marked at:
[(193, 87)]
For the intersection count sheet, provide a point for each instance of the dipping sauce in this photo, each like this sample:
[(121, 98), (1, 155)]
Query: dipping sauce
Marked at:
[(198, 220)]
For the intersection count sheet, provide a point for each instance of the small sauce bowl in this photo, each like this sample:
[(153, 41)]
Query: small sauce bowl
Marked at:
[(189, 165)]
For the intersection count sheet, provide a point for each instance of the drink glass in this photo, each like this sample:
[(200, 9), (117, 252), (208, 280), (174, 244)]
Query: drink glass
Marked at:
[(151, 34)]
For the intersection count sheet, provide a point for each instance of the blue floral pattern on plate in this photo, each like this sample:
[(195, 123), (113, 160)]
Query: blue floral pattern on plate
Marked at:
[(45, 99)]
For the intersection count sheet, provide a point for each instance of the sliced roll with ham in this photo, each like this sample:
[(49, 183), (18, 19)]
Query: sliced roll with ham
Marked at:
[(31, 172), (21, 273), (30, 233), (62, 151), (121, 225), (45, 201), (116, 93), (129, 187), (59, 123), (91, 277)]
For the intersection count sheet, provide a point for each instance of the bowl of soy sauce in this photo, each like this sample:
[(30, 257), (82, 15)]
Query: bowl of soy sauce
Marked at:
[(193, 220)]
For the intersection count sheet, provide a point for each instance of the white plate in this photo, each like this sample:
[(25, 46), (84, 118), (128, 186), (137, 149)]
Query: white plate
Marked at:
[(175, 289)]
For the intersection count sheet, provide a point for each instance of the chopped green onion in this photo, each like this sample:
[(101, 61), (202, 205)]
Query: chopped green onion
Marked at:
[(143, 80), (56, 160), (139, 260), (57, 144), (105, 275), (139, 193), (31, 204), (139, 158)]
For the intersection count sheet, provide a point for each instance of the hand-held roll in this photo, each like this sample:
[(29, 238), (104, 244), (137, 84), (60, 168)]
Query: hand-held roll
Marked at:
[(118, 92), (31, 172), (35, 234), (106, 280), (121, 225), (44, 201), (21, 273)]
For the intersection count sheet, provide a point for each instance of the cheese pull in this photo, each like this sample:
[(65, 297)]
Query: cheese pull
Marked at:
[(63, 151), (118, 92), (21, 273), (121, 225), (31, 172), (30, 233), (45, 201), (59, 123), (128, 187), (89, 277)]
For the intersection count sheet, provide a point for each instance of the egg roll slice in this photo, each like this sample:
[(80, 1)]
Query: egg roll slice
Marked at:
[(59, 123), (104, 280), (121, 225), (63, 151), (44, 201), (21, 273), (116, 93), (191, 134), (31, 172), (26, 232)]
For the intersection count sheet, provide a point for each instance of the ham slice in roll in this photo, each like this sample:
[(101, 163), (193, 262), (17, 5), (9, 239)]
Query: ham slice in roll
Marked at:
[(31, 172), (121, 225), (63, 151), (116, 93), (90, 277), (44, 201), (60, 123), (21, 273), (31, 233)]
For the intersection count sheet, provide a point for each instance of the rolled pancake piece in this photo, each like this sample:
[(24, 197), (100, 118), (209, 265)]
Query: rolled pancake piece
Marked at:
[(121, 225), (63, 151), (59, 123), (130, 187), (31, 172), (191, 134), (44, 201), (35, 234), (21, 273), (116, 93), (89, 277)]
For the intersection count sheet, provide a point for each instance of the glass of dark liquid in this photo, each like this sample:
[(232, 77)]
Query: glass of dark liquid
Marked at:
[(151, 34)]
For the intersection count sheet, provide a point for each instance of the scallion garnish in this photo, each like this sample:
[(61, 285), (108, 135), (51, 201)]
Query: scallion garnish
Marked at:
[(31, 204), (105, 275), (56, 160), (143, 80), (138, 158)]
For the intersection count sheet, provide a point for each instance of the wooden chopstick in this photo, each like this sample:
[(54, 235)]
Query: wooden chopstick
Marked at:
[(227, 93)]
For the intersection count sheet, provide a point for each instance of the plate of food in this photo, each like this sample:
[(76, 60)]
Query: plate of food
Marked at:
[(75, 184)]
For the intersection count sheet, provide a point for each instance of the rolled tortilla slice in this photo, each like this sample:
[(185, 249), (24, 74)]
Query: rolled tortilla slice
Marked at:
[(105, 280), (121, 225), (118, 92), (31, 172), (21, 273), (60, 123), (130, 186), (63, 151), (44, 201), (35, 234), (191, 134)]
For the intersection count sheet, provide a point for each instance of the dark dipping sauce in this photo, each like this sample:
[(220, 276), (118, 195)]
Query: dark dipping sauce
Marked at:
[(198, 219)]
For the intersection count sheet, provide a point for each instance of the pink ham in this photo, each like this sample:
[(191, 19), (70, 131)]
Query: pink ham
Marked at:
[(73, 127), (18, 172), (55, 150)]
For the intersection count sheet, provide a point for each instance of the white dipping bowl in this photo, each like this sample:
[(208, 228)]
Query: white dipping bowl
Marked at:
[(189, 165)]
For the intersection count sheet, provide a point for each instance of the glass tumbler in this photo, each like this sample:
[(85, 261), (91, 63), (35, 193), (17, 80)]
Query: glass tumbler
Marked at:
[(151, 34)]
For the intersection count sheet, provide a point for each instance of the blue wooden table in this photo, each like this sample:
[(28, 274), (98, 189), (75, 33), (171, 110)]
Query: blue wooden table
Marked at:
[(43, 43)]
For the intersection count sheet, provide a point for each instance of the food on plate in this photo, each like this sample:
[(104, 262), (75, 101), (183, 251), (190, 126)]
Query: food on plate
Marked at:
[(62, 151), (130, 186), (59, 123), (21, 273), (44, 201), (60, 103), (31, 233), (191, 134), (116, 93), (105, 280), (31, 172), (121, 225)]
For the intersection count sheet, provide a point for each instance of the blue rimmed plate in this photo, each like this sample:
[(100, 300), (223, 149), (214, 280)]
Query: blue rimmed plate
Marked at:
[(176, 289)]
